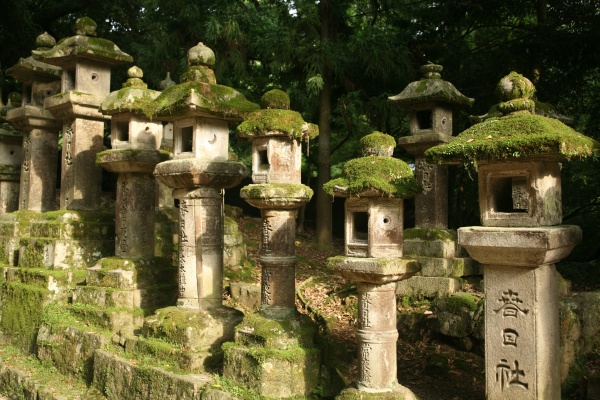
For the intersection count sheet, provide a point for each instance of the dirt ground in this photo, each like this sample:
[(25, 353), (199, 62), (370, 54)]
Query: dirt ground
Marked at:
[(433, 370)]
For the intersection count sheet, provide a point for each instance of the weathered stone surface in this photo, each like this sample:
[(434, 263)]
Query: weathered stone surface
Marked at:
[(374, 270), (528, 246), (70, 349), (120, 379), (426, 286), (193, 172), (519, 193), (522, 332), (246, 294), (196, 330), (458, 314), (570, 336), (450, 267), (430, 248)]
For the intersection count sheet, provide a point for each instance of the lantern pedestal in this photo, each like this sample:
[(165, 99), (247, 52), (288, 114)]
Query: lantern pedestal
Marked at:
[(521, 306)]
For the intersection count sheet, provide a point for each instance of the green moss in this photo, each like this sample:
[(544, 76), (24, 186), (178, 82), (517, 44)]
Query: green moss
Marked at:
[(516, 135), (459, 302), (22, 309), (445, 235), (287, 122), (390, 176), (377, 139), (275, 98), (132, 99), (276, 190), (215, 99)]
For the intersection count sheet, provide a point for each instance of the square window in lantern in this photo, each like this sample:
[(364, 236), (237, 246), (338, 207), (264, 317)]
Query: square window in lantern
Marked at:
[(69, 80), (360, 227), (122, 128), (509, 194), (263, 160), (424, 119), (186, 139)]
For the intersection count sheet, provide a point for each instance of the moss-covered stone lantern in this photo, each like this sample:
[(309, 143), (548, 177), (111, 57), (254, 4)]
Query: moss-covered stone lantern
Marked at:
[(135, 141), (276, 133), (40, 129), (86, 62), (201, 111), (374, 187), (11, 157), (518, 157)]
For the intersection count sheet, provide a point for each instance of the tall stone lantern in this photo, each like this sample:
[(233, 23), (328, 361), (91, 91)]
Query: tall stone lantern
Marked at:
[(374, 187), (86, 62), (431, 101), (40, 129), (11, 157), (276, 133), (201, 111), (518, 157), (135, 142)]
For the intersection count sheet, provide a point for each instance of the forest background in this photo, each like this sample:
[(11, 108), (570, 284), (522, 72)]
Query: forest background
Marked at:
[(339, 60)]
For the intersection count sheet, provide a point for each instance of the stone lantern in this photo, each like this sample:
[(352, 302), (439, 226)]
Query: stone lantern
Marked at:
[(201, 112), (11, 156), (518, 157), (135, 141), (86, 63), (374, 187), (276, 133), (431, 101), (40, 129)]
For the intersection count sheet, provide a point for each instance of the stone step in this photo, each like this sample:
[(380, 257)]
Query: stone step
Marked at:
[(148, 298), (58, 282), (174, 354), (70, 349), (448, 267), (120, 379), (62, 253), (119, 320), (121, 273), (426, 286), (246, 295)]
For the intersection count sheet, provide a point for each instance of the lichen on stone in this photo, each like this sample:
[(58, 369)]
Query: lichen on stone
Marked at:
[(385, 175)]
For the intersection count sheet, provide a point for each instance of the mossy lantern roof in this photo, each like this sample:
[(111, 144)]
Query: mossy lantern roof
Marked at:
[(276, 119), (29, 69), (134, 96), (84, 44), (198, 94), (374, 175), (431, 88), (518, 133)]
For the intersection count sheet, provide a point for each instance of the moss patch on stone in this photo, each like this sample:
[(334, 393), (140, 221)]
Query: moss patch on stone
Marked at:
[(212, 99), (390, 176), (287, 122), (276, 190), (378, 139), (275, 99), (516, 135), (463, 301)]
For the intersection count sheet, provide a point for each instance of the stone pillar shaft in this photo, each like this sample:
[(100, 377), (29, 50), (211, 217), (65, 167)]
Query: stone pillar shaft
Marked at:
[(431, 206), (134, 221), (377, 336), (38, 172), (81, 178), (200, 247), (277, 258), (522, 333)]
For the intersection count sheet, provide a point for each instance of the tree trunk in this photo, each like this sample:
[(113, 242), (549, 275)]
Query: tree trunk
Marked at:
[(323, 202)]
